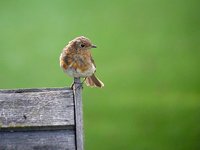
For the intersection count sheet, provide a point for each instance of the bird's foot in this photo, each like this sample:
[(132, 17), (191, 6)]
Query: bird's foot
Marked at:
[(80, 85)]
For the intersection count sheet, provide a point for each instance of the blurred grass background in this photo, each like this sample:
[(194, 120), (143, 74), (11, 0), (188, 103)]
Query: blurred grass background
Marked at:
[(148, 57)]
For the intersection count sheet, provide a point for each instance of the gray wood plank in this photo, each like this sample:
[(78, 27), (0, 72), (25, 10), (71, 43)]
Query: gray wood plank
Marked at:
[(38, 140), (33, 90), (36, 108), (78, 113), (58, 111)]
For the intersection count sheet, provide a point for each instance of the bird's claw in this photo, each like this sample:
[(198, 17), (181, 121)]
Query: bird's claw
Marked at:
[(80, 85)]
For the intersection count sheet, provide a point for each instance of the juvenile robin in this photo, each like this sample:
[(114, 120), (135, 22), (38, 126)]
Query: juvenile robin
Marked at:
[(76, 61)]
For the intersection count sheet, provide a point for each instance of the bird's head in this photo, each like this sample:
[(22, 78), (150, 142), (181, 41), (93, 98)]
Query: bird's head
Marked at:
[(81, 43)]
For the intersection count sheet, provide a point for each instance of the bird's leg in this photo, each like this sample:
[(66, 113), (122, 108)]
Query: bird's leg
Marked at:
[(80, 85)]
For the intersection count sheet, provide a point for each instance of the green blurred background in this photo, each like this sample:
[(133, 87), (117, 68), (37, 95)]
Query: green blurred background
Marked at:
[(148, 56)]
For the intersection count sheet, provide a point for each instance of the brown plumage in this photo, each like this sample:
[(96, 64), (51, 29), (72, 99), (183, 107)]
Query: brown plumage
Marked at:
[(76, 61)]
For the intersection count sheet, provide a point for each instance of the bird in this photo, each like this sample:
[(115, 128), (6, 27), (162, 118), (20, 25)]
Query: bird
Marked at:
[(76, 61)]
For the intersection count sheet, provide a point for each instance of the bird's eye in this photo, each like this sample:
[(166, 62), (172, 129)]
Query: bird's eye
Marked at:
[(82, 45)]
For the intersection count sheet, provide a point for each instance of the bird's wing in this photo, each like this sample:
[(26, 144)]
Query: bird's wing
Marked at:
[(64, 61)]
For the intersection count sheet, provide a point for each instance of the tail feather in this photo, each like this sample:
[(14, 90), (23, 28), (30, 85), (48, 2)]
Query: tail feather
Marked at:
[(93, 81)]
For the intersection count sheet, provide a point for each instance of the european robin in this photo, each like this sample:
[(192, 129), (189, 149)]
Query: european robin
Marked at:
[(76, 61)]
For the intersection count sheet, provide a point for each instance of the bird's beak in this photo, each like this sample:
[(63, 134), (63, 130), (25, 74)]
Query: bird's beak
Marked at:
[(94, 46)]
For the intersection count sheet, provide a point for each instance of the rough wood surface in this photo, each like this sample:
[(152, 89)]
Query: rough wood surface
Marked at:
[(34, 108), (33, 90), (42, 119), (78, 113), (38, 140)]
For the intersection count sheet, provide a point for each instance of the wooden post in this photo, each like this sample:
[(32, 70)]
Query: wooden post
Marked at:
[(77, 88), (47, 118)]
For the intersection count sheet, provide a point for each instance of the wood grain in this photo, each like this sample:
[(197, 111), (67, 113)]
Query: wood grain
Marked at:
[(36, 108), (38, 140), (78, 113), (41, 119)]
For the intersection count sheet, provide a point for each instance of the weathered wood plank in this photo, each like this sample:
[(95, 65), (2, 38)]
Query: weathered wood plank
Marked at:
[(33, 90), (51, 118), (36, 108), (78, 113), (38, 140)]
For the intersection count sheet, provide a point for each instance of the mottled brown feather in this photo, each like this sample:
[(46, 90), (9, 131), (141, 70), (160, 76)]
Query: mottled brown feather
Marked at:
[(74, 57)]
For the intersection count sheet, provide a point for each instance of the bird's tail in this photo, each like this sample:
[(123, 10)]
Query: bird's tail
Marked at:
[(93, 81)]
